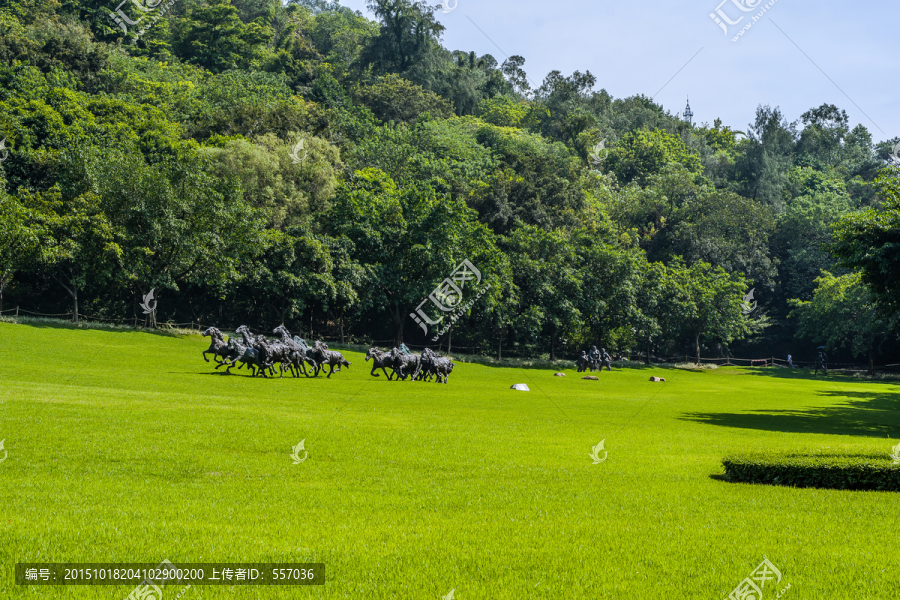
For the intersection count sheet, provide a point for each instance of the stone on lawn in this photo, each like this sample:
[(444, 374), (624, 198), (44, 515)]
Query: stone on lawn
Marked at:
[(657, 379), (591, 377), (521, 387), (559, 374)]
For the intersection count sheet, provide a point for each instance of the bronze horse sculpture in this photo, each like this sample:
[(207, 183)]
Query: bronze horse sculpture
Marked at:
[(218, 347), (323, 356)]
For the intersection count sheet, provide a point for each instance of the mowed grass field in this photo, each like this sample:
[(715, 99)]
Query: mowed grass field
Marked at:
[(125, 447)]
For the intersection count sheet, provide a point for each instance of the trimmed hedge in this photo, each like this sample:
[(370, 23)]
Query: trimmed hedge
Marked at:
[(835, 471)]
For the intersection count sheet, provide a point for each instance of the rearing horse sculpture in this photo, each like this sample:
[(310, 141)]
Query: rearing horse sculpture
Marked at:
[(297, 353), (218, 347)]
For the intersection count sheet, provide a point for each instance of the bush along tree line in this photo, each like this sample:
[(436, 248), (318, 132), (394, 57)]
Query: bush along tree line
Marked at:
[(255, 162)]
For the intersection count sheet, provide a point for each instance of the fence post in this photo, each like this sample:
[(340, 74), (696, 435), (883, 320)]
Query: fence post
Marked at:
[(17, 311)]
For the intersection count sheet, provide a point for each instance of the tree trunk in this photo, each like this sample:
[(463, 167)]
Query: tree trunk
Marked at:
[(500, 346), (871, 364), (449, 339), (398, 314), (647, 360), (342, 329), (553, 345), (73, 292), (697, 346)]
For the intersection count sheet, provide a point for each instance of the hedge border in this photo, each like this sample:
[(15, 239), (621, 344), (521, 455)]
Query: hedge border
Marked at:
[(823, 471)]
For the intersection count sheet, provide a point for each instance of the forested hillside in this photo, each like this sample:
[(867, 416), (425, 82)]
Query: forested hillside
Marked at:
[(258, 163)]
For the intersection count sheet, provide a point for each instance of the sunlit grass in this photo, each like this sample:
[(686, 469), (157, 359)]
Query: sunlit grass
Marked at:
[(123, 447)]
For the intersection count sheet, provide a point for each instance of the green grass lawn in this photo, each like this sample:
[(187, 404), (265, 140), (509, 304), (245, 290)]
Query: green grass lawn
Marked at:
[(125, 447)]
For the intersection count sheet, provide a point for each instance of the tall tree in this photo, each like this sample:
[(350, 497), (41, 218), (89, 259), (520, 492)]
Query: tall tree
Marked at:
[(708, 302), (408, 32), (20, 237), (870, 242), (409, 238), (543, 264), (767, 156), (842, 313), (80, 243)]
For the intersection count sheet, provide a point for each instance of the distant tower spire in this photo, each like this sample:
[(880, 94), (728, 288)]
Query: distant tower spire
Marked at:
[(688, 115)]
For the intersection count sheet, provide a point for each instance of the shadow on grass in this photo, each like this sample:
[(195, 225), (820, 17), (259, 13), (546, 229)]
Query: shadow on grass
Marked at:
[(809, 374), (865, 414)]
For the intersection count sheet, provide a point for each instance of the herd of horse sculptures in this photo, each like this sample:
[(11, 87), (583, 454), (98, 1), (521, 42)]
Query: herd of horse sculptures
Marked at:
[(292, 353)]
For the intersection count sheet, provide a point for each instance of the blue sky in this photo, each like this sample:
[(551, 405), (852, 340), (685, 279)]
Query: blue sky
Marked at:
[(824, 52)]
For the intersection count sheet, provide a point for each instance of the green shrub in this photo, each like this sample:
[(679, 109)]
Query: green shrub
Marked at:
[(834, 471)]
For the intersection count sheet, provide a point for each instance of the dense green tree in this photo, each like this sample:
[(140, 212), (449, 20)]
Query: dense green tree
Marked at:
[(766, 157), (544, 269), (708, 303), (800, 242), (393, 98), (641, 154), (288, 180), (20, 240), (179, 225), (870, 242), (293, 272), (725, 230), (409, 238), (408, 33), (213, 36), (842, 312), (79, 243), (177, 160), (503, 111)]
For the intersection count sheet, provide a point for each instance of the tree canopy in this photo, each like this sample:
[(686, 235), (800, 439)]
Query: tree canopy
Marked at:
[(254, 162)]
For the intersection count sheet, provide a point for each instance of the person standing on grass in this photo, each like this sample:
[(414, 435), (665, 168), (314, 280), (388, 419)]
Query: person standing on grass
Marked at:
[(822, 362), (790, 361)]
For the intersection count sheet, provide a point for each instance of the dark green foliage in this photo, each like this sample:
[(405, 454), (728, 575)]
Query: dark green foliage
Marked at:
[(408, 32), (393, 98), (213, 36), (642, 154), (870, 241), (298, 161), (836, 472)]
